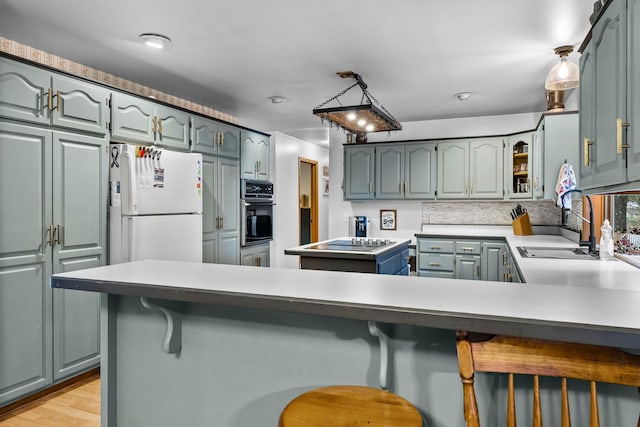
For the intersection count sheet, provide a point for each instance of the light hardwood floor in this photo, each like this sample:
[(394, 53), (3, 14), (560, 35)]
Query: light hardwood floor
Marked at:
[(77, 405)]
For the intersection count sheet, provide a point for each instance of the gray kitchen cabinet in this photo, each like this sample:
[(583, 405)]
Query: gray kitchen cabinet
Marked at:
[(359, 172), (257, 255), (140, 121), (558, 141), (633, 90), (39, 96), (215, 138), (405, 171), (496, 262), (220, 210), (519, 171), (467, 260), (605, 71), (54, 191), (254, 155), (471, 169)]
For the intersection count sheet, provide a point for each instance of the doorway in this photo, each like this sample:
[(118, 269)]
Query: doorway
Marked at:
[(307, 200)]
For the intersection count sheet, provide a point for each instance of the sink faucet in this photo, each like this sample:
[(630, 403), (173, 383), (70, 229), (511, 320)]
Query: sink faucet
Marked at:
[(591, 243)]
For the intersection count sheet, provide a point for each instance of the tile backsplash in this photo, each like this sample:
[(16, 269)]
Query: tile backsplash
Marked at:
[(541, 212)]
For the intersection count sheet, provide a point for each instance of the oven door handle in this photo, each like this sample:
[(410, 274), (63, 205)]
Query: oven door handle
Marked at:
[(243, 222)]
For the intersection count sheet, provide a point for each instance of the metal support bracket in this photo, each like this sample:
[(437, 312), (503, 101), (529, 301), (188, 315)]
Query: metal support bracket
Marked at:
[(383, 338), (173, 338)]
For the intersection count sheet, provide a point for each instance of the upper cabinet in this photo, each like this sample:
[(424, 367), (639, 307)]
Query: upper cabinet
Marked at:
[(405, 171), (359, 172), (211, 137), (39, 96), (254, 155), (519, 173), (471, 169), (137, 120), (609, 104)]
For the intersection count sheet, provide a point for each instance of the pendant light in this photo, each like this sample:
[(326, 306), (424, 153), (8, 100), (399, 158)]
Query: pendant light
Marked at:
[(565, 74)]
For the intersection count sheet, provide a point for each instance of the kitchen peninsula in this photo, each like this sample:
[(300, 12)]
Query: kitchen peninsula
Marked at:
[(234, 344)]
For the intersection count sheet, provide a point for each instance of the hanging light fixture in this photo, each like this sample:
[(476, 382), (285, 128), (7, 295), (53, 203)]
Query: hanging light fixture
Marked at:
[(565, 74), (369, 116)]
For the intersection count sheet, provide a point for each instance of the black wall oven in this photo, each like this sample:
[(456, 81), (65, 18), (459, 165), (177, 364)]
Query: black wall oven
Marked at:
[(256, 205)]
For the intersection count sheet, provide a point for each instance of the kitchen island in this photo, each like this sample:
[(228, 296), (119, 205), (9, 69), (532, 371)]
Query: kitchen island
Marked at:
[(206, 344), (355, 254)]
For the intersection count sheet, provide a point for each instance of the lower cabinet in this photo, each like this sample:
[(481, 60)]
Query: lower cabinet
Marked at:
[(255, 255), (53, 187), (465, 259)]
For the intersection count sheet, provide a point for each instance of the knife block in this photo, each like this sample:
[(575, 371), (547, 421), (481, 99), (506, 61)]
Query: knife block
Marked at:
[(522, 226)]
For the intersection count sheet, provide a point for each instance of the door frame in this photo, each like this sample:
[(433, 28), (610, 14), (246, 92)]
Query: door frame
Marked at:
[(314, 196)]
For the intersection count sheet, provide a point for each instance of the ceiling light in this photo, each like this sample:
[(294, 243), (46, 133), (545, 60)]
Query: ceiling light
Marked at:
[(565, 74), (156, 41), (277, 99), (370, 115), (463, 96)]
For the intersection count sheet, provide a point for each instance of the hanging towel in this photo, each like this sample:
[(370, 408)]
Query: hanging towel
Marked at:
[(566, 182)]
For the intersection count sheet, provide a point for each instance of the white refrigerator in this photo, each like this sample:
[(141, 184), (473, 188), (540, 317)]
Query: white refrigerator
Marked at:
[(155, 206)]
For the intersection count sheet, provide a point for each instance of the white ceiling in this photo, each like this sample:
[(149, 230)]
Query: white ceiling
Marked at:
[(414, 54)]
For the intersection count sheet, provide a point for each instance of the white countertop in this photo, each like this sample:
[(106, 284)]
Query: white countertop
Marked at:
[(597, 315), (613, 274)]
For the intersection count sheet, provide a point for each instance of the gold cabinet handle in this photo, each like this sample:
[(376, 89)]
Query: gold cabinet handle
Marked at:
[(51, 239), (221, 138), (504, 258), (467, 248), (160, 126), (221, 222), (58, 234), (434, 264), (435, 248), (59, 100), (50, 99), (587, 151), (155, 124), (619, 125), (478, 270)]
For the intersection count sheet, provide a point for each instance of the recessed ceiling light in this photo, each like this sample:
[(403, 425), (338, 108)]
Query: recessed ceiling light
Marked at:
[(277, 99), (463, 96), (156, 41)]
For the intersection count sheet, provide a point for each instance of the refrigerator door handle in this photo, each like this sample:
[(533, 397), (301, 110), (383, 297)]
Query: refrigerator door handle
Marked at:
[(128, 183)]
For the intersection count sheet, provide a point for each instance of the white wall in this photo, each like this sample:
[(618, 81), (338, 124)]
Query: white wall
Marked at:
[(286, 150), (409, 213)]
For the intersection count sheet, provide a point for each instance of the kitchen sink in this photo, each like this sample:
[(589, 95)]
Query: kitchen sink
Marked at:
[(556, 253)]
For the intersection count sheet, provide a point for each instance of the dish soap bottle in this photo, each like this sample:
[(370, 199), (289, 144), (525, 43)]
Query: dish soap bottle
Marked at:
[(606, 241)]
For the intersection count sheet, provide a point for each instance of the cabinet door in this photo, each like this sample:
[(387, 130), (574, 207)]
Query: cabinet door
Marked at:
[(25, 261), (263, 259), (24, 92), (633, 100), (230, 142), (204, 135), (537, 163), (247, 257), (248, 155), (610, 50), (228, 207), (79, 105), (486, 169), (495, 258), (172, 128), (453, 170), (389, 171), (561, 143), (587, 118), (263, 153), (209, 210), (420, 166), (80, 185), (467, 267), (359, 170), (132, 119)]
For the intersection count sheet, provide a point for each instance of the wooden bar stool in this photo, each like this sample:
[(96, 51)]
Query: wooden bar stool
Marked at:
[(349, 405)]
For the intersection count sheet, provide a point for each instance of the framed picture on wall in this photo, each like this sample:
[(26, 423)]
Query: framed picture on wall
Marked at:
[(388, 219)]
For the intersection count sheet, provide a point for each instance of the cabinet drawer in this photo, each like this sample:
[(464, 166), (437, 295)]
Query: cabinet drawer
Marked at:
[(438, 246), (466, 247), (431, 261), (438, 274)]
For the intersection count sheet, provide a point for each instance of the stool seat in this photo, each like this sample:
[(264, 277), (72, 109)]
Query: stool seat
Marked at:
[(349, 405)]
